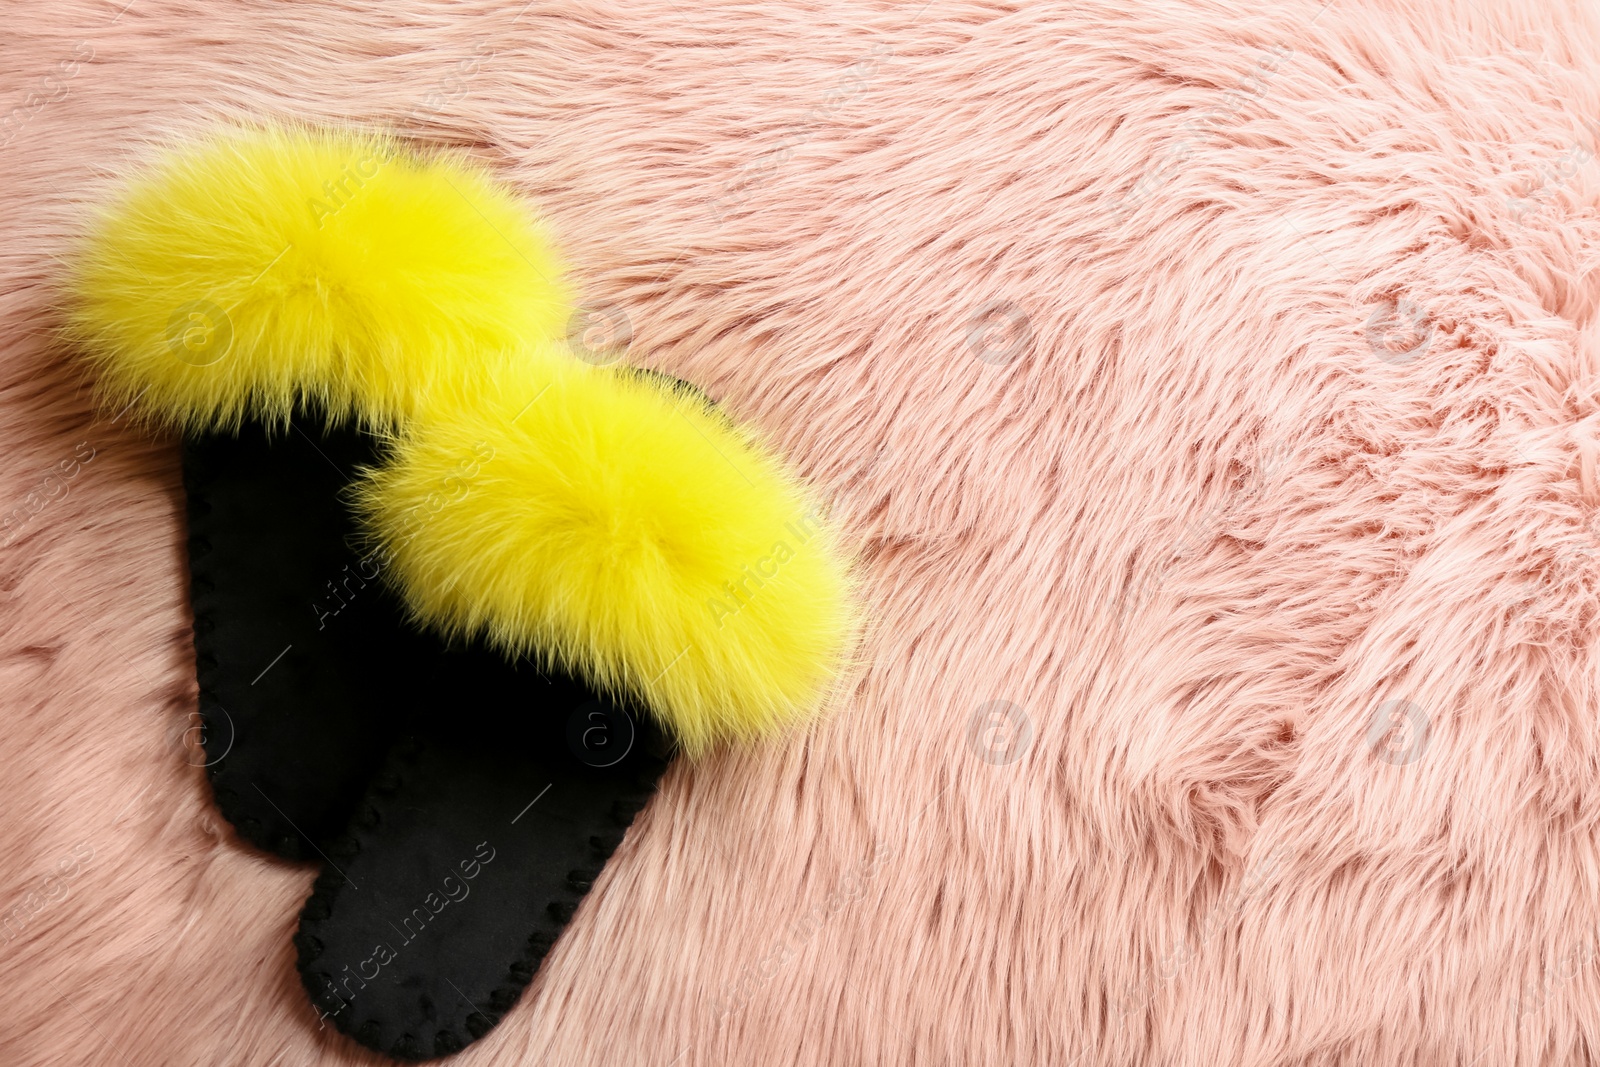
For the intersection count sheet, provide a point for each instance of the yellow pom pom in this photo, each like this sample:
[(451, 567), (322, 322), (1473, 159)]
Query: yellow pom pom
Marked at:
[(601, 522), (261, 269)]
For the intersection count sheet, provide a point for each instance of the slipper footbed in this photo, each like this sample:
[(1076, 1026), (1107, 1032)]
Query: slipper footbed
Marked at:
[(301, 654), (487, 826)]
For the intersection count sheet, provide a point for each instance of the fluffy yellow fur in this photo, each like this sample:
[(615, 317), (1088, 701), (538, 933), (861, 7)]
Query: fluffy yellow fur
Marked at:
[(592, 518), (600, 521), (259, 269)]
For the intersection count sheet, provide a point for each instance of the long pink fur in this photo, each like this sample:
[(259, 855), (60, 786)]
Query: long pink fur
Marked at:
[(1232, 692)]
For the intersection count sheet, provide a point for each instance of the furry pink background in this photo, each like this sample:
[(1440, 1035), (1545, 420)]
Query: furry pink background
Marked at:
[(1213, 388)]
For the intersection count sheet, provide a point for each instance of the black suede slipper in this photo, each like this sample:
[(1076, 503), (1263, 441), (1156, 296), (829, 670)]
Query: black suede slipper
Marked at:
[(304, 660), (483, 832)]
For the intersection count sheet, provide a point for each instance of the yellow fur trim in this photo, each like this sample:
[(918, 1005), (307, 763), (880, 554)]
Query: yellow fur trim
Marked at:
[(260, 268), (599, 521)]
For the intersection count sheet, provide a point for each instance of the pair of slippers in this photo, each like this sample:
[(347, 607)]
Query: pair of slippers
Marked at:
[(459, 596)]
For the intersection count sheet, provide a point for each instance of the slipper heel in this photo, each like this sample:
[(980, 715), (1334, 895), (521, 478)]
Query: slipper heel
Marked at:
[(473, 850)]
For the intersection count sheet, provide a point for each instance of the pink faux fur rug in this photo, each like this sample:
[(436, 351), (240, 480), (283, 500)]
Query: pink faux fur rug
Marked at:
[(1213, 388)]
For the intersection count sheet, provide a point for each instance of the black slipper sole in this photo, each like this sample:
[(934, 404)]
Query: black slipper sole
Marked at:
[(477, 841), (303, 658)]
